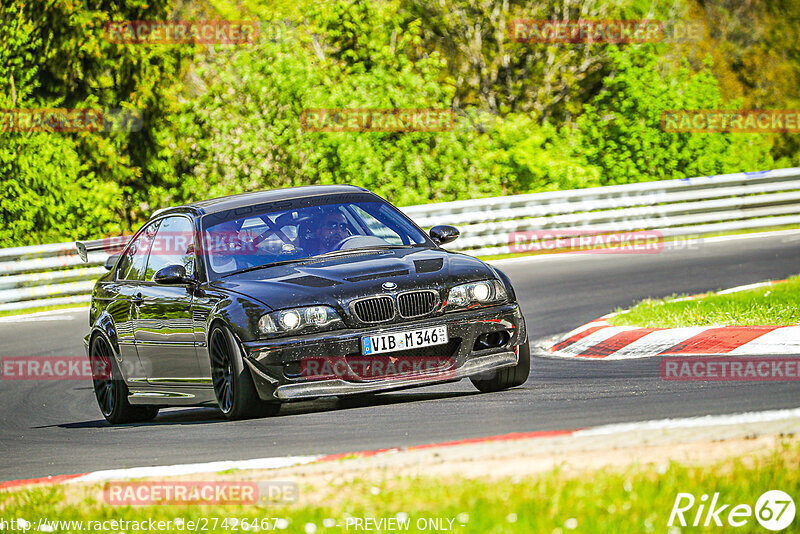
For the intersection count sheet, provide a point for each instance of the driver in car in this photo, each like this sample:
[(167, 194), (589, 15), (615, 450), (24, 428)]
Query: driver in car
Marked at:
[(224, 246), (332, 229)]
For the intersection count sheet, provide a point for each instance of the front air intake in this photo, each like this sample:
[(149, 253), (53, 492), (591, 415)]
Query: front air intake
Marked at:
[(374, 309), (417, 303)]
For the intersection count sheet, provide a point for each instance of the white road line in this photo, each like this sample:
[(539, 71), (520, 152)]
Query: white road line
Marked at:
[(784, 340), (581, 328), (51, 315), (754, 235), (744, 288), (192, 469), (692, 422), (656, 342), (539, 257), (593, 339)]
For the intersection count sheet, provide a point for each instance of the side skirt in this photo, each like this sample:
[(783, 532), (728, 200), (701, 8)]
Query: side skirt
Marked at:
[(177, 396)]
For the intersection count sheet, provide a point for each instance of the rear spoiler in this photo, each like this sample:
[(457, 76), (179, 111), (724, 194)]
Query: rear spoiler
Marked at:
[(111, 245)]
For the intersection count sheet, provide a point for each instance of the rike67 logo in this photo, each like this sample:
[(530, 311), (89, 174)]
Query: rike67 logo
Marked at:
[(774, 510)]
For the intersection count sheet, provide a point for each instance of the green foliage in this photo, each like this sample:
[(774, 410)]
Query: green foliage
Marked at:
[(57, 185), (226, 119), (48, 195), (245, 132), (623, 135), (527, 156)]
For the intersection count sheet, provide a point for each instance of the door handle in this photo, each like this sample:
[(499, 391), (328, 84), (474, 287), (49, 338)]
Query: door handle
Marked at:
[(138, 299)]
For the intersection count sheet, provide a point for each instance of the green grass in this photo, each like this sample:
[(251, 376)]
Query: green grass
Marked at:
[(778, 304), (621, 500)]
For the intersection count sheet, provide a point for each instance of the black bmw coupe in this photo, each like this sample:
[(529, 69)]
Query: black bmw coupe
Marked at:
[(251, 300)]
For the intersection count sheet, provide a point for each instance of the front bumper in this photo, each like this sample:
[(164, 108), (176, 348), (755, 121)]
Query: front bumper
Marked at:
[(269, 360)]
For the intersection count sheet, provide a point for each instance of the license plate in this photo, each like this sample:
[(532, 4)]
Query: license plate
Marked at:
[(409, 339)]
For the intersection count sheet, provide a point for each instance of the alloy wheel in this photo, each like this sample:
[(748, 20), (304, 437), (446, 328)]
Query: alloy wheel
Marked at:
[(221, 370), (105, 388)]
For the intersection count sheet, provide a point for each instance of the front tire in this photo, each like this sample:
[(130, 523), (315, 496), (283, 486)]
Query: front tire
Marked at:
[(110, 389), (509, 377), (233, 386)]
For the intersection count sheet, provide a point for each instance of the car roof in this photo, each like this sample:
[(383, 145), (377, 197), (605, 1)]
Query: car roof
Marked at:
[(216, 205)]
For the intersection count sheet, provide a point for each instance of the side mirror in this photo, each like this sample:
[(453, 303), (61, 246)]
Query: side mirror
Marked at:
[(111, 261), (444, 234), (171, 274)]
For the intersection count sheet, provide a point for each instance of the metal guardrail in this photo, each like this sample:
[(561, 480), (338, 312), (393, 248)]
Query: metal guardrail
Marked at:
[(54, 274)]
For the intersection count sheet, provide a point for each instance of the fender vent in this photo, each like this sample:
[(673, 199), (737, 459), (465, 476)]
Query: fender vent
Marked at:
[(428, 266), (311, 281)]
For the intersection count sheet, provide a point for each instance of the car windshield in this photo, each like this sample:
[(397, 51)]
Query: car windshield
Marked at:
[(263, 238)]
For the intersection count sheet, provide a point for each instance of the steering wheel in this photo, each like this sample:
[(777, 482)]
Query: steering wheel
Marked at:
[(358, 241), (343, 242)]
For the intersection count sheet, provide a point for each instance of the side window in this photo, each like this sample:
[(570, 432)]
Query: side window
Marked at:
[(173, 245), (132, 265)]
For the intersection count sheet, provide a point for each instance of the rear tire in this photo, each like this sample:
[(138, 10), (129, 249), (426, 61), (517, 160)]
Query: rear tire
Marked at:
[(509, 377), (110, 389), (233, 386)]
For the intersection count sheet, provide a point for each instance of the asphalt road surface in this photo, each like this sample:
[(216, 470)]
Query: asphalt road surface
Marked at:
[(55, 427)]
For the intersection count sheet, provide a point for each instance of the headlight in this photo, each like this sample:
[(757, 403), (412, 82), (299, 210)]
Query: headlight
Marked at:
[(476, 294), (299, 319)]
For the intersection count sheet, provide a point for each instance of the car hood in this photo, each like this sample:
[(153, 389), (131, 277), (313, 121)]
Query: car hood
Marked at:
[(336, 280)]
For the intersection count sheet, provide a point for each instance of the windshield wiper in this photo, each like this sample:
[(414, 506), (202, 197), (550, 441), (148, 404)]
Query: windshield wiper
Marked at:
[(287, 262), (265, 266)]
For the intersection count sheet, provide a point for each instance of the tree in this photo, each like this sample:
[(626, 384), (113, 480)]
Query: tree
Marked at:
[(56, 55), (622, 132)]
